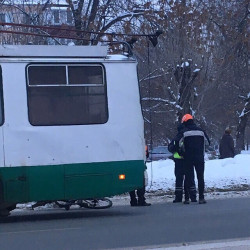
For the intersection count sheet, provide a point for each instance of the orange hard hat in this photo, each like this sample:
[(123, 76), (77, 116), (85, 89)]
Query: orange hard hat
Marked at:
[(186, 117)]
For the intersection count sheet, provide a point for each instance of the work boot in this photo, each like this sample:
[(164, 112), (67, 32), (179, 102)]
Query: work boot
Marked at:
[(202, 201), (193, 198), (144, 204), (133, 203), (177, 200), (186, 197)]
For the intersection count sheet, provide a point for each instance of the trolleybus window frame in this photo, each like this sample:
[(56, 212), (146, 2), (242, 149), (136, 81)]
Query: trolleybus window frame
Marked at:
[(2, 117), (90, 97)]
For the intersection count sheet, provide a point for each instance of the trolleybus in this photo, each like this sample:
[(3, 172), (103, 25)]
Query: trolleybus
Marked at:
[(71, 124)]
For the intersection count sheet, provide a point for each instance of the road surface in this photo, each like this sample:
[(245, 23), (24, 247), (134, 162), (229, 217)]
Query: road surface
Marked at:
[(125, 226)]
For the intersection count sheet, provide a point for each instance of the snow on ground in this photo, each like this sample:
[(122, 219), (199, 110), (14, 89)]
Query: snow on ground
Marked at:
[(224, 178), (220, 174)]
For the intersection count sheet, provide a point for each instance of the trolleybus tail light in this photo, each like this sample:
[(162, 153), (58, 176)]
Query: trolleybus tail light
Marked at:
[(121, 176)]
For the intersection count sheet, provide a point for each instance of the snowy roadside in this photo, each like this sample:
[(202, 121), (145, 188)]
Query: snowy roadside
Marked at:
[(151, 197), (220, 175), (224, 178), (160, 197)]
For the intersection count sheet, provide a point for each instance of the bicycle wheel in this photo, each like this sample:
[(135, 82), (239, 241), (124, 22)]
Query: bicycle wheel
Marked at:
[(63, 204), (96, 203)]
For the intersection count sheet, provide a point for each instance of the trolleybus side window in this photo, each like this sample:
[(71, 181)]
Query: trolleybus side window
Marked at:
[(66, 94), (47, 75), (85, 75), (1, 98)]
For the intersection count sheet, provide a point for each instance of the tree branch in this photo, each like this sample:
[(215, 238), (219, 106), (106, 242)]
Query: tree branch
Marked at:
[(120, 18), (93, 14)]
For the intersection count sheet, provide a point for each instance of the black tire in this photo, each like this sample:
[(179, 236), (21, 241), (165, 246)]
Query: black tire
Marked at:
[(96, 203), (12, 207), (63, 204), (4, 213), (67, 207), (1, 192)]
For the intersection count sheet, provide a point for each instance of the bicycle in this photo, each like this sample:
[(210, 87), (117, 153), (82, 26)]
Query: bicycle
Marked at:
[(100, 203)]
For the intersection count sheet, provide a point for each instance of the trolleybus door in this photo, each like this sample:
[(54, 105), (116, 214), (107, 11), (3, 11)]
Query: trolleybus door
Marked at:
[(1, 120), (13, 178), (1, 148)]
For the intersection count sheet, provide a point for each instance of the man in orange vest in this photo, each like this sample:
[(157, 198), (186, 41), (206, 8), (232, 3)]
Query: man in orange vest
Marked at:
[(193, 138)]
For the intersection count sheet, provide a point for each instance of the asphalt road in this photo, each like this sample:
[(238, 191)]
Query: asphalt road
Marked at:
[(125, 226)]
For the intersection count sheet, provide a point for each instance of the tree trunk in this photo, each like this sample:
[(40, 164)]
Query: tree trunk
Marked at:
[(240, 135), (185, 78)]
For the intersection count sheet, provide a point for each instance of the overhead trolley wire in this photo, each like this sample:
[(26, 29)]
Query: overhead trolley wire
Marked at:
[(151, 36), (154, 41)]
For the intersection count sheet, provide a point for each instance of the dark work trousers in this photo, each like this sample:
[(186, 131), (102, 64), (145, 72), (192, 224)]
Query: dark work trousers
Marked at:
[(140, 194), (198, 164), (179, 172)]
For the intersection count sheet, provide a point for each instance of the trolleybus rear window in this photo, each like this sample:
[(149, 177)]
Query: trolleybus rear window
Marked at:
[(66, 94)]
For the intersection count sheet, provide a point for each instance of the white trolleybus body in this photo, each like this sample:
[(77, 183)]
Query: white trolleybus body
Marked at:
[(71, 124)]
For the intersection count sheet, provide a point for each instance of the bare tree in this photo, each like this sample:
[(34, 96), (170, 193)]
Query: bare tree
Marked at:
[(230, 62), (176, 65), (185, 78), (106, 15), (243, 118)]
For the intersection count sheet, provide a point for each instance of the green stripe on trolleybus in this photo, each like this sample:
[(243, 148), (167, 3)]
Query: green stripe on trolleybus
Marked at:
[(69, 181)]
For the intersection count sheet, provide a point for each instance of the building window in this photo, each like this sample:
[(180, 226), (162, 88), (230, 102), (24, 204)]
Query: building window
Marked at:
[(56, 15), (2, 18), (66, 94), (69, 17), (30, 18), (1, 99)]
